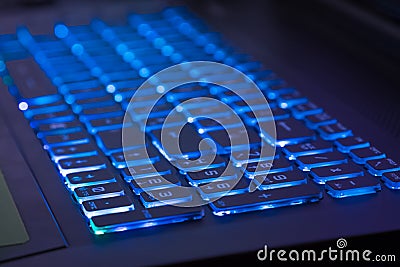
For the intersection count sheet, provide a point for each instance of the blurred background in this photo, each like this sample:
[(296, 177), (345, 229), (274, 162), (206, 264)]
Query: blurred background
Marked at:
[(346, 49)]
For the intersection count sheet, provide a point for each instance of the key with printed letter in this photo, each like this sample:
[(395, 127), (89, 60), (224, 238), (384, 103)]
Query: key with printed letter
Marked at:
[(353, 186), (266, 199), (289, 131)]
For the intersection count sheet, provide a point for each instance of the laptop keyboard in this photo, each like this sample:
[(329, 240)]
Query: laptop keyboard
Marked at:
[(76, 85)]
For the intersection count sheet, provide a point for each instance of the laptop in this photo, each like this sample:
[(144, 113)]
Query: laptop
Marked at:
[(169, 133)]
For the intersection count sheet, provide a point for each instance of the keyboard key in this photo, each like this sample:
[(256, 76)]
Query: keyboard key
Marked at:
[(109, 123), (82, 162), (266, 199), (66, 138), (377, 167), (147, 170), (235, 141), (323, 174), (301, 110), (76, 150), (241, 157), (351, 142), (264, 115), (188, 140), (57, 116), (205, 125), (134, 157), (306, 163), (93, 192), (206, 162), (310, 148), (58, 126), (224, 188), (314, 121), (362, 155), (89, 178), (391, 179), (333, 131), (101, 112), (166, 196), (29, 78), (111, 141), (268, 166), (289, 131), (141, 218), (154, 182), (353, 186), (280, 179), (106, 206), (211, 175), (290, 99)]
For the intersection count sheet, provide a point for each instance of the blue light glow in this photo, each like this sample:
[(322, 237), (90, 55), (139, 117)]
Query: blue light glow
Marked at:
[(61, 31), (128, 56), (121, 48), (144, 72), (352, 192), (23, 106), (176, 57), (77, 49), (2, 66), (167, 50), (159, 42), (118, 98), (110, 88), (143, 28)]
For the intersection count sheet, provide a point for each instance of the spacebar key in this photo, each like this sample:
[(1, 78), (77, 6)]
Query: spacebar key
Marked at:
[(141, 218), (267, 199)]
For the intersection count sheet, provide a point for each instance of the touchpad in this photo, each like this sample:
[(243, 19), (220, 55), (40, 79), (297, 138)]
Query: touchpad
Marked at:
[(12, 229)]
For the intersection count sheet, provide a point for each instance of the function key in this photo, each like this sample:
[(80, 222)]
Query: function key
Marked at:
[(362, 155), (351, 142)]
